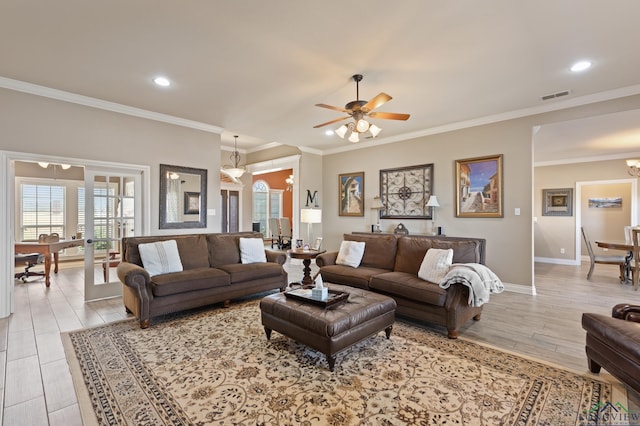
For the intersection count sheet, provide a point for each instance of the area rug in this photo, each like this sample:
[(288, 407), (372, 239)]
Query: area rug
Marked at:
[(217, 367)]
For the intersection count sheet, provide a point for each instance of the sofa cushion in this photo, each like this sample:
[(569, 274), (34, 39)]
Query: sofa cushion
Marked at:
[(241, 272), (161, 257), (192, 248), (252, 250), (409, 286), (346, 275), (350, 253), (224, 249), (411, 251), (379, 250), (435, 265), (188, 280)]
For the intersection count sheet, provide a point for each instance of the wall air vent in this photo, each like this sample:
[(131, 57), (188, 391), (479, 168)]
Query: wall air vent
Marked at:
[(555, 95)]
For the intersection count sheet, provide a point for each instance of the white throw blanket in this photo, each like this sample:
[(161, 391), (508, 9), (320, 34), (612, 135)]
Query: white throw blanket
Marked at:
[(480, 280)]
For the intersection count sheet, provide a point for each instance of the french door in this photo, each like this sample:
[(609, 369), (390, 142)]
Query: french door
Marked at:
[(113, 210)]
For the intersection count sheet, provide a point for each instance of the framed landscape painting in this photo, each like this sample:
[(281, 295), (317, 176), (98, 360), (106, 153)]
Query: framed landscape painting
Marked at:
[(351, 194), (479, 187)]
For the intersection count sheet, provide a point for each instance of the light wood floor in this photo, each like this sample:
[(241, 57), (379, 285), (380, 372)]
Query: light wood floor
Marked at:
[(37, 387)]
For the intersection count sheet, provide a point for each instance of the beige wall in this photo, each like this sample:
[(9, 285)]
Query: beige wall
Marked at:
[(509, 239), (38, 125), (553, 233)]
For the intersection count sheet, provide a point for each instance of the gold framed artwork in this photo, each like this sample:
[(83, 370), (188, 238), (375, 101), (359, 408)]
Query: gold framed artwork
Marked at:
[(404, 192), (479, 187), (557, 202), (351, 194)]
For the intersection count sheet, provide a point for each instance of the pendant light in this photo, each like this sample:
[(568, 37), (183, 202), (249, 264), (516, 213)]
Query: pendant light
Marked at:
[(234, 170)]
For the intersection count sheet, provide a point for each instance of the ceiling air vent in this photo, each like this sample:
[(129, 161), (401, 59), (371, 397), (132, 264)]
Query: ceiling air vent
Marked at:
[(555, 95)]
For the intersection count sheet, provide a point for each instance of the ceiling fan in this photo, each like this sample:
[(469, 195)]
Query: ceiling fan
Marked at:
[(359, 110)]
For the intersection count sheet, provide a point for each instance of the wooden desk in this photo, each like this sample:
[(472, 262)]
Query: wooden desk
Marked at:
[(624, 245), (47, 249)]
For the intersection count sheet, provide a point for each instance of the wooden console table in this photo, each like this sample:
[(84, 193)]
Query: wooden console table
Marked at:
[(47, 249)]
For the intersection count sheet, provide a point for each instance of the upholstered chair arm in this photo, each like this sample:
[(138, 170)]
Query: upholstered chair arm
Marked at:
[(626, 312), (325, 259), (138, 279), (276, 256)]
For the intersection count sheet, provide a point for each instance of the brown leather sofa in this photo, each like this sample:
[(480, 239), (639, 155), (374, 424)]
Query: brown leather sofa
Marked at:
[(212, 273), (614, 343), (390, 266)]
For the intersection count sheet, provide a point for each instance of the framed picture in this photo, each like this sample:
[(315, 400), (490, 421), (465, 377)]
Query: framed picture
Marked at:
[(351, 194), (605, 202), (317, 244), (404, 192), (479, 187), (557, 202), (191, 202)]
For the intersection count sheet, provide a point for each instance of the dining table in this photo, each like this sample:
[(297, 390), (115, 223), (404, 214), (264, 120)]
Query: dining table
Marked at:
[(624, 245)]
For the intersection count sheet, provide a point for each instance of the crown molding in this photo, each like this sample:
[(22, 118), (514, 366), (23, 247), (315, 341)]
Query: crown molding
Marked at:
[(525, 112), (61, 95)]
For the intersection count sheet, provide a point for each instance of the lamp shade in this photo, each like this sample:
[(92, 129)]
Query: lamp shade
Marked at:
[(311, 215), (433, 201), (377, 203)]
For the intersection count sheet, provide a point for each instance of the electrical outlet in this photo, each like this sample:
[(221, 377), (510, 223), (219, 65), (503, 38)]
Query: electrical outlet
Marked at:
[(562, 251)]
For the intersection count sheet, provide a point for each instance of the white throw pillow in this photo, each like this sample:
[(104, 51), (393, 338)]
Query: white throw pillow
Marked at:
[(161, 257), (435, 265), (350, 253), (252, 250)]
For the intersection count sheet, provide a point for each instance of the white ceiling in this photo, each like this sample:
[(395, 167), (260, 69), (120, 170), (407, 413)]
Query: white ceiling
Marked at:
[(256, 68)]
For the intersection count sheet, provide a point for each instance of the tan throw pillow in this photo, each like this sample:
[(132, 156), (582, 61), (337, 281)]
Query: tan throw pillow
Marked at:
[(435, 265), (252, 250), (350, 253), (161, 257)]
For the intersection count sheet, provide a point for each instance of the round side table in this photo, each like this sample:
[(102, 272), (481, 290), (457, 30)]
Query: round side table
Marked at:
[(306, 256)]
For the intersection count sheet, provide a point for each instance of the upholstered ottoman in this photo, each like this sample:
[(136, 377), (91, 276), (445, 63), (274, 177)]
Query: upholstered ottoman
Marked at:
[(329, 330)]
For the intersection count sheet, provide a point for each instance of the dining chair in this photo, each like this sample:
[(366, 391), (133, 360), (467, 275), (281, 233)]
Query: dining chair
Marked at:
[(628, 233), (609, 260), (635, 268)]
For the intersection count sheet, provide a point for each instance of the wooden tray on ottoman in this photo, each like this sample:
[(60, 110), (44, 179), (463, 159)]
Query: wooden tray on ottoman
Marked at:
[(304, 294)]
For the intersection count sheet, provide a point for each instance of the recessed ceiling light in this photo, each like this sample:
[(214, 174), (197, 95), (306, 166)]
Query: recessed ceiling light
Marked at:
[(328, 132), (581, 66), (162, 81)]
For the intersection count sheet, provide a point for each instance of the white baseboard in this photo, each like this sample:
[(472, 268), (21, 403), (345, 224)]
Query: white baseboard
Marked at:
[(556, 261), (520, 288)]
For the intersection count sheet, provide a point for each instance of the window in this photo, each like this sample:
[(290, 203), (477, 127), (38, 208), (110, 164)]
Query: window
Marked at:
[(42, 210)]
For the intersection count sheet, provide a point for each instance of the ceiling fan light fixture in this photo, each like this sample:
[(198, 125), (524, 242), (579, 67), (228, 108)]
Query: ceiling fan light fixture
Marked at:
[(374, 130), (342, 130), (354, 137), (362, 125)]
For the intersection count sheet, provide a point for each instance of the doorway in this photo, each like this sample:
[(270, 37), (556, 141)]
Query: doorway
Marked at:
[(9, 215), (604, 220)]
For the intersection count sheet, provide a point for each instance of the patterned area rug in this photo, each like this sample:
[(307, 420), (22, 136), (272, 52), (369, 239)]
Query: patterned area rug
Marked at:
[(217, 367)]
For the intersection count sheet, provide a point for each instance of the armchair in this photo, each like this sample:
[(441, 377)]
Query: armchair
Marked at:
[(614, 343)]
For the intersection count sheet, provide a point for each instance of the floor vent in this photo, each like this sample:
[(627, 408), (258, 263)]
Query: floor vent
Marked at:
[(555, 95)]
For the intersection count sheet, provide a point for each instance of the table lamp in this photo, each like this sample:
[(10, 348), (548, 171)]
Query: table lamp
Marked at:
[(310, 216), (377, 205), (432, 203)]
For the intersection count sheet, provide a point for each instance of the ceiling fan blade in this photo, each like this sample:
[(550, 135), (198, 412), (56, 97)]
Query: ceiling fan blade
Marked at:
[(331, 122), (380, 99), (331, 107), (389, 115)]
